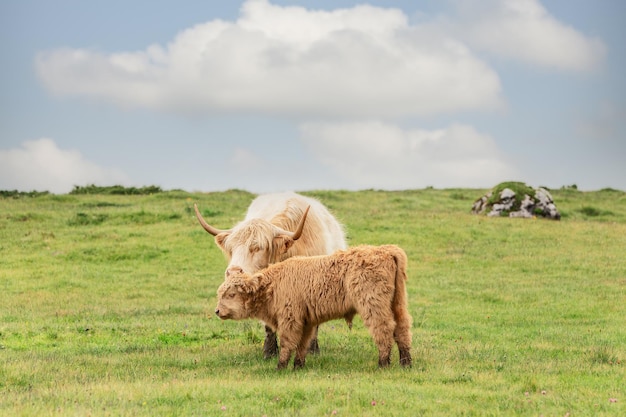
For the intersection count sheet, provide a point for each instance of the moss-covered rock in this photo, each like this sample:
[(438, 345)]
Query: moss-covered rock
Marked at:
[(516, 199)]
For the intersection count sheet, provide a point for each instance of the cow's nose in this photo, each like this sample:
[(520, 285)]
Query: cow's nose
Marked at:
[(217, 311), (233, 270)]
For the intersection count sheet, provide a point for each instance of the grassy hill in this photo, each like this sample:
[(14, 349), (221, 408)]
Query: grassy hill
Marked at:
[(106, 308)]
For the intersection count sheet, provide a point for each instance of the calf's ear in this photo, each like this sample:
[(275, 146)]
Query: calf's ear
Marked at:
[(250, 285)]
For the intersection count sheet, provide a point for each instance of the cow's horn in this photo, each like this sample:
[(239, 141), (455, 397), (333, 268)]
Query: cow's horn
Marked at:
[(298, 231), (205, 225)]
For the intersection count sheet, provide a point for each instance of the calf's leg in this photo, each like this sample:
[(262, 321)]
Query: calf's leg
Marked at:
[(384, 353), (284, 355), (405, 357), (290, 332), (402, 332), (304, 346), (381, 327), (402, 336), (288, 343)]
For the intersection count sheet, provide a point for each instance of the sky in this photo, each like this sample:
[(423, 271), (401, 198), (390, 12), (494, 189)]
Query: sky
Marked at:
[(270, 96)]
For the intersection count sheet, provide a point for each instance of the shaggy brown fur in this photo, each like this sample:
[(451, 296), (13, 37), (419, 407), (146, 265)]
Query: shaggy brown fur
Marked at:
[(298, 294)]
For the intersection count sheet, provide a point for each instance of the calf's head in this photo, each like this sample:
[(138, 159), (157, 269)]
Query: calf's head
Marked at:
[(236, 295), (254, 244)]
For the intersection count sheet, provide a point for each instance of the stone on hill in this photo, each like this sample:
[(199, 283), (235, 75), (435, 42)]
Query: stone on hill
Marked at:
[(516, 199)]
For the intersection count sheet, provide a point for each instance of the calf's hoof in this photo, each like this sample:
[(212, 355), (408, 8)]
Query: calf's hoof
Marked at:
[(297, 363), (384, 362), (405, 358)]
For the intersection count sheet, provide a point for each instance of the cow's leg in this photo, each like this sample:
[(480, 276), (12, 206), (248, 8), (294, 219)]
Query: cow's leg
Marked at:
[(304, 346), (314, 347), (270, 347)]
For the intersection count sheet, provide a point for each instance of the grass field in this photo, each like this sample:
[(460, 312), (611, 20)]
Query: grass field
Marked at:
[(106, 308)]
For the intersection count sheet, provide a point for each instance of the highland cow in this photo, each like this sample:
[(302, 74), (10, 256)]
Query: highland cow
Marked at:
[(300, 293), (276, 227)]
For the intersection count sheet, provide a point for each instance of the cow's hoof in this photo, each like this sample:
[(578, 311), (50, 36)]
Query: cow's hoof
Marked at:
[(270, 348), (314, 347), (269, 355)]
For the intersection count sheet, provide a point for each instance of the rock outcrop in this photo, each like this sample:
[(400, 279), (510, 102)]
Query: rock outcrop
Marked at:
[(516, 199)]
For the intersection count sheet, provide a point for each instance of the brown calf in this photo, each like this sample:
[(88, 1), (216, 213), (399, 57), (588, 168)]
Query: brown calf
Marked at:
[(298, 294)]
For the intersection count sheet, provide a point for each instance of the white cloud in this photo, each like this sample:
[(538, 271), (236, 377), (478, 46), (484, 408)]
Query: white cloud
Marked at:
[(360, 62), (41, 165), (382, 155), (524, 30)]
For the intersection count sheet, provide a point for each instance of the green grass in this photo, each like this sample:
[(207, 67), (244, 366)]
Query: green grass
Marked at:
[(106, 308)]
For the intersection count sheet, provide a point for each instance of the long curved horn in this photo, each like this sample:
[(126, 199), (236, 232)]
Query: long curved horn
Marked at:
[(205, 225), (298, 231)]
